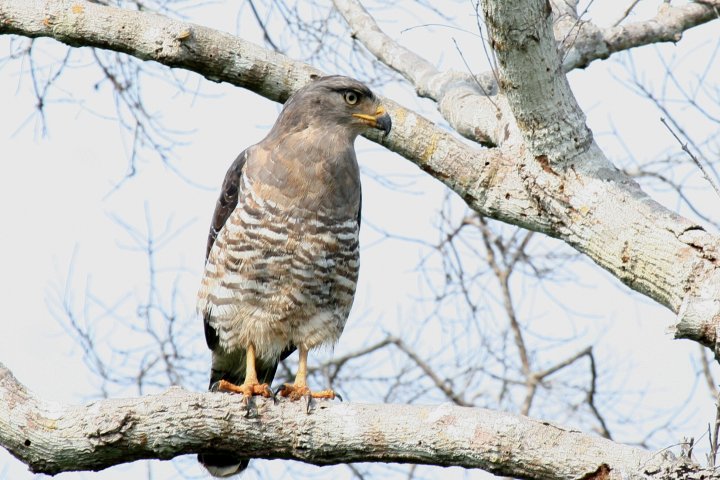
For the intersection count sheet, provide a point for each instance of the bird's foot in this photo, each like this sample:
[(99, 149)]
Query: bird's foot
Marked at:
[(296, 392), (246, 389)]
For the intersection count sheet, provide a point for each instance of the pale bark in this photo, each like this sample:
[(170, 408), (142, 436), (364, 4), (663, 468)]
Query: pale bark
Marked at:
[(469, 102), (547, 174), (52, 438), (594, 207), (586, 42), (554, 179)]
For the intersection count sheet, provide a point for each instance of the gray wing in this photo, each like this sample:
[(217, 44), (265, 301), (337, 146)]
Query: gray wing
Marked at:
[(227, 201), (224, 206)]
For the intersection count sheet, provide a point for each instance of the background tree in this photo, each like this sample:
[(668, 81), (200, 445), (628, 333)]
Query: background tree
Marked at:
[(482, 329)]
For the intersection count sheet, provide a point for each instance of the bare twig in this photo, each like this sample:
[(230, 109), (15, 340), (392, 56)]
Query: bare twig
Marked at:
[(425, 367), (626, 13), (472, 75), (263, 27), (695, 160), (714, 430)]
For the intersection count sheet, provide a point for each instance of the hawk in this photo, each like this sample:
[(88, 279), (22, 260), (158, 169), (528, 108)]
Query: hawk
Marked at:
[(282, 255)]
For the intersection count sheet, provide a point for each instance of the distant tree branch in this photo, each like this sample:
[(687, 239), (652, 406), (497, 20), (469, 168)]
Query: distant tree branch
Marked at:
[(590, 42), (52, 438)]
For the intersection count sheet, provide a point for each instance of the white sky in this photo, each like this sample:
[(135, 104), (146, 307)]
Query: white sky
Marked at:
[(54, 206)]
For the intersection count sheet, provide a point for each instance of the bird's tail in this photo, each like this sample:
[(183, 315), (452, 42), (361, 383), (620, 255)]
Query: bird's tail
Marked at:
[(222, 464), (216, 463)]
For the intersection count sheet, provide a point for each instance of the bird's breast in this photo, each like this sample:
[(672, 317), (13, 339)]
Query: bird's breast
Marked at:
[(279, 275)]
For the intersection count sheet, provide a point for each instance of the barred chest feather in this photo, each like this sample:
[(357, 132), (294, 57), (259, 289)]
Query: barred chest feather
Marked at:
[(278, 276)]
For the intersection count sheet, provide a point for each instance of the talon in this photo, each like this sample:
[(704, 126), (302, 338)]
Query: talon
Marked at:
[(339, 397), (269, 393)]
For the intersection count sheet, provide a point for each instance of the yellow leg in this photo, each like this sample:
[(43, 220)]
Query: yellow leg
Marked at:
[(299, 389), (301, 376), (251, 386), (250, 371)]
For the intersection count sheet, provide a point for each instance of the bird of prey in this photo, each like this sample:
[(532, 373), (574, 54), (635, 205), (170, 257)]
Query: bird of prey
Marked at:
[(282, 255)]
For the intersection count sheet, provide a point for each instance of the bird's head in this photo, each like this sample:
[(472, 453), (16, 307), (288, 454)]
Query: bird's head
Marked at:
[(333, 103)]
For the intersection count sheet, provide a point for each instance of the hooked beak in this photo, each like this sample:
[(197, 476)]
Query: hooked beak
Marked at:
[(381, 120)]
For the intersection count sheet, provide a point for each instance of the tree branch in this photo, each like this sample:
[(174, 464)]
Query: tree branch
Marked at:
[(553, 178), (219, 57), (470, 104), (539, 95), (52, 438), (558, 150), (592, 43)]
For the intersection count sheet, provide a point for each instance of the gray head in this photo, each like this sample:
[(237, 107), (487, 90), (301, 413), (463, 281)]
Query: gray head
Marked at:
[(333, 103), (308, 158)]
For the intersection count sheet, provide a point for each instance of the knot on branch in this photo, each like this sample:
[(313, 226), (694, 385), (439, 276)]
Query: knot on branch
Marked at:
[(109, 427)]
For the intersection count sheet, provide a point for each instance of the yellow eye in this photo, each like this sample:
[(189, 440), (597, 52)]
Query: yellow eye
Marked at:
[(351, 98)]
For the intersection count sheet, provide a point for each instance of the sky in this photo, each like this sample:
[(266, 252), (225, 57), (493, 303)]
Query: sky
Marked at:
[(63, 236)]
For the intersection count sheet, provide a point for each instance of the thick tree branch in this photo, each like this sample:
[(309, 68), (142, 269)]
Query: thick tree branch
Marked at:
[(562, 165), (470, 103), (553, 179), (52, 438), (530, 74), (216, 55)]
